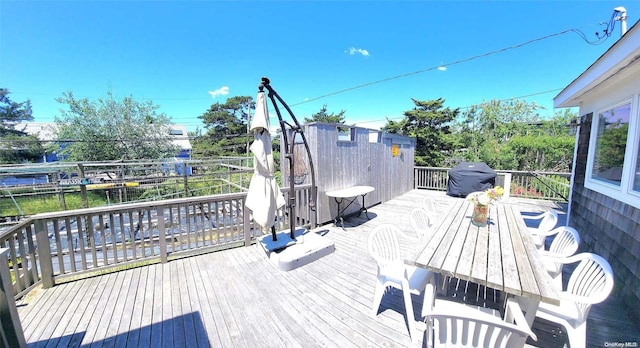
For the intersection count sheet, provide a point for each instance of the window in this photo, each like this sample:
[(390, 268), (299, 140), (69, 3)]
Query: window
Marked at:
[(611, 141), (176, 132), (345, 133), (613, 162)]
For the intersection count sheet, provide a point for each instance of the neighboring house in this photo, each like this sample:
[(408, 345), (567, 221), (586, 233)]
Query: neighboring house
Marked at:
[(45, 132), (605, 200)]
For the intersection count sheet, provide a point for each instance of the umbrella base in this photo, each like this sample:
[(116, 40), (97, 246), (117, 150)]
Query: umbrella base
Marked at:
[(288, 254)]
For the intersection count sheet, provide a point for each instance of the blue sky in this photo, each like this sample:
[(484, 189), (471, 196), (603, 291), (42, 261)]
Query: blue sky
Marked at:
[(187, 55)]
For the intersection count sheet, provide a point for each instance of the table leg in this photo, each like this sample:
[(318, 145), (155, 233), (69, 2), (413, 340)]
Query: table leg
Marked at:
[(339, 215), (364, 209), (530, 307)]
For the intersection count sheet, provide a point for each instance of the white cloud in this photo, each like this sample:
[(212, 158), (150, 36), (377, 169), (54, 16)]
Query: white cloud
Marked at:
[(442, 68), (352, 50), (224, 90)]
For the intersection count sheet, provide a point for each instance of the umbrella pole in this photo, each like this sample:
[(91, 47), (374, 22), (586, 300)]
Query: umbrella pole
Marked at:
[(289, 153)]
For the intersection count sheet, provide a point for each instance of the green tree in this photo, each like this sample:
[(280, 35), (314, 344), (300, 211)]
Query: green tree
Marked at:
[(512, 135), (16, 146), (111, 129), (226, 129), (611, 146), (324, 117), (430, 123)]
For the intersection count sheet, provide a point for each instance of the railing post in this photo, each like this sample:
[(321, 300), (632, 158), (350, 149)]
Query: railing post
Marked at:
[(12, 334), (162, 236), (44, 253), (246, 223), (185, 179)]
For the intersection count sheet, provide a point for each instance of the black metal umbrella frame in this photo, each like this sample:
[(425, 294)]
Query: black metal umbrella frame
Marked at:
[(289, 132)]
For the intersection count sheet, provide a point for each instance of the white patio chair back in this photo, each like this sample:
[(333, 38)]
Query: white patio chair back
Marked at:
[(453, 326), (384, 247), (548, 221), (564, 244), (421, 221), (591, 282), (432, 206)]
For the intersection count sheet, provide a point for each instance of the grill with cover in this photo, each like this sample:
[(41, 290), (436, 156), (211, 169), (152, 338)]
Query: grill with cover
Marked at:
[(469, 177)]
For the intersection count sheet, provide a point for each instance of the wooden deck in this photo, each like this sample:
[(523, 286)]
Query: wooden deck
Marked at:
[(238, 298)]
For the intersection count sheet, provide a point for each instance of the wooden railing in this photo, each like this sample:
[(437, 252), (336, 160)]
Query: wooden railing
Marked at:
[(53, 248), (542, 185)]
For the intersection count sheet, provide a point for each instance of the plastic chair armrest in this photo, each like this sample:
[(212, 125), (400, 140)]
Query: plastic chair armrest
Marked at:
[(547, 233), (581, 299)]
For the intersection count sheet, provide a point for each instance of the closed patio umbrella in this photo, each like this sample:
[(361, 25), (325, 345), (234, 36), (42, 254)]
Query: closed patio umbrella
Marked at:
[(264, 197)]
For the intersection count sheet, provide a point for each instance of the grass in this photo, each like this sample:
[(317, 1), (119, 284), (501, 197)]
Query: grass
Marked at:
[(43, 203), (49, 203)]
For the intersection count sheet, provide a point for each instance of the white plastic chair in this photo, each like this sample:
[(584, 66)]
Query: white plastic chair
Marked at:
[(591, 282), (384, 247), (433, 206), (421, 221), (452, 324), (548, 221), (564, 244)]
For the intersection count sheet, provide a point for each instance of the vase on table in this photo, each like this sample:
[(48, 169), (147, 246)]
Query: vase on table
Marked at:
[(480, 215)]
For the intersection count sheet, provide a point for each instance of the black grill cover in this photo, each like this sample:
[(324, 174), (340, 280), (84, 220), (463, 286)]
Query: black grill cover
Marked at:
[(469, 177)]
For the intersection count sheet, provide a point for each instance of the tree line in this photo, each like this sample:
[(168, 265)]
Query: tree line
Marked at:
[(507, 135)]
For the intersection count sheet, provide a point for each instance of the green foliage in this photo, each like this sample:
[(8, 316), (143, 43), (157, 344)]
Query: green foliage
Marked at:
[(226, 129), (49, 203), (611, 146), (511, 135), (15, 145), (110, 129), (324, 117), (430, 123), (541, 152)]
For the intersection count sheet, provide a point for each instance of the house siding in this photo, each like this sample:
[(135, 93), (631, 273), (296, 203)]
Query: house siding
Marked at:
[(608, 227)]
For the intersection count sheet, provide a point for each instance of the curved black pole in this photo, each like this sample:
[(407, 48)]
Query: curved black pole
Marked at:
[(289, 146)]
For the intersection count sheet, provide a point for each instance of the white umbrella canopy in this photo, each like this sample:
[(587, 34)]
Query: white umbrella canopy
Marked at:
[(264, 197)]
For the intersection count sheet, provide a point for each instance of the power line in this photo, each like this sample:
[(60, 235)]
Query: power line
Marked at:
[(486, 54)]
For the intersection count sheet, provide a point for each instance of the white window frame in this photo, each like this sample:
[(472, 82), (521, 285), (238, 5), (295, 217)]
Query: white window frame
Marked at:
[(624, 192)]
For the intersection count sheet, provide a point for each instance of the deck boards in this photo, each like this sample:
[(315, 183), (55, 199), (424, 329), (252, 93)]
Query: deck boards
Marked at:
[(237, 298)]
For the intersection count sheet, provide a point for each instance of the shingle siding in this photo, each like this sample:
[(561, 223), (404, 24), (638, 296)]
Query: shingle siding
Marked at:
[(609, 228)]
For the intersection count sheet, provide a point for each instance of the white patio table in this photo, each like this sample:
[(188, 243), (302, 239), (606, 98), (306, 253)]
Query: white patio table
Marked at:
[(351, 194), (500, 255)]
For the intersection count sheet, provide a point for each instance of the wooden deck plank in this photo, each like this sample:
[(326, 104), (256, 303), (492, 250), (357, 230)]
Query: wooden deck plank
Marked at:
[(154, 333), (90, 292), (64, 303), (197, 307), (121, 326), (108, 307), (138, 311), (238, 298), (276, 288), (249, 263), (64, 326), (92, 307)]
